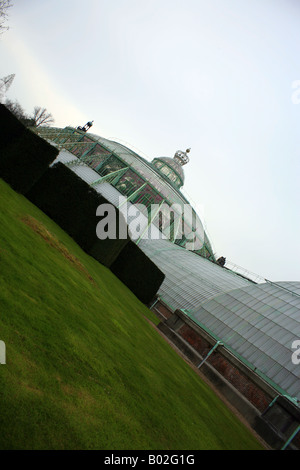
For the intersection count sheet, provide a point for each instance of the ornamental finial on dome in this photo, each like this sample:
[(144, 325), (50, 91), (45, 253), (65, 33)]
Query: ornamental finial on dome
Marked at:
[(182, 157)]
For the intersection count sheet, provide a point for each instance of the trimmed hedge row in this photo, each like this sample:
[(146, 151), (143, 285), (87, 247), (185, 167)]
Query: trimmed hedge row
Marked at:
[(72, 204), (24, 156), (11, 127), (138, 272)]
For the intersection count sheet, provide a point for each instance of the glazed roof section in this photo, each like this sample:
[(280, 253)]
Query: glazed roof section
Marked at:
[(144, 168), (259, 322), (190, 279), (91, 176), (162, 185), (170, 169)]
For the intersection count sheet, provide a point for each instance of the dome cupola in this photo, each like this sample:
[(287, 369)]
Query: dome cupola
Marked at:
[(171, 168)]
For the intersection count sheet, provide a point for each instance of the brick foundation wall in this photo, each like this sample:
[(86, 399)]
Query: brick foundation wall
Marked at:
[(195, 340), (162, 311), (242, 379), (231, 373)]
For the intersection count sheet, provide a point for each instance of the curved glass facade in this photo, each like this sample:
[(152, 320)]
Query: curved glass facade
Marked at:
[(140, 181), (258, 323), (190, 280), (168, 168)]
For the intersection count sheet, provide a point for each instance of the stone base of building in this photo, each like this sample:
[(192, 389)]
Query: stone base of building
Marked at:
[(274, 417)]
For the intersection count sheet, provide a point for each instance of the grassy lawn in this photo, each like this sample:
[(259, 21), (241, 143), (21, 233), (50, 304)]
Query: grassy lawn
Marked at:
[(84, 368)]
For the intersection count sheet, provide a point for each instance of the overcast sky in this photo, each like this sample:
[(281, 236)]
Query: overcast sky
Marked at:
[(164, 75)]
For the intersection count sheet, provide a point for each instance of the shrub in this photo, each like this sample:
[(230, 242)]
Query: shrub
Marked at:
[(138, 272), (24, 156)]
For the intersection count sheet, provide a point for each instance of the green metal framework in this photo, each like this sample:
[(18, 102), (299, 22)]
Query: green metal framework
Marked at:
[(140, 181), (167, 171)]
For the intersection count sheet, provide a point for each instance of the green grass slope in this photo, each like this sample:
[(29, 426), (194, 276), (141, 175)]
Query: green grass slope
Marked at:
[(84, 368)]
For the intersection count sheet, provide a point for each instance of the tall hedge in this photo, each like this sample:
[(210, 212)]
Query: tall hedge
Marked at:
[(138, 272), (24, 156), (72, 204), (11, 128)]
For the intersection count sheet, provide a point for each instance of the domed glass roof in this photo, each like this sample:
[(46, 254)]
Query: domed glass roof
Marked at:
[(141, 182), (170, 169)]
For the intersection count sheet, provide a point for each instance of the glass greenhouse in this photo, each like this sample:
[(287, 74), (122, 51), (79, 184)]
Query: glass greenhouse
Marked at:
[(256, 322), (260, 324), (140, 182)]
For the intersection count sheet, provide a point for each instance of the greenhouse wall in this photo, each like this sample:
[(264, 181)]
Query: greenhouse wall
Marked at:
[(245, 390)]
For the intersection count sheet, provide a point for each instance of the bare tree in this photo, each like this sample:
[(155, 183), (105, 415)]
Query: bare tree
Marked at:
[(5, 84), (4, 6), (42, 117), (18, 111), (15, 108)]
